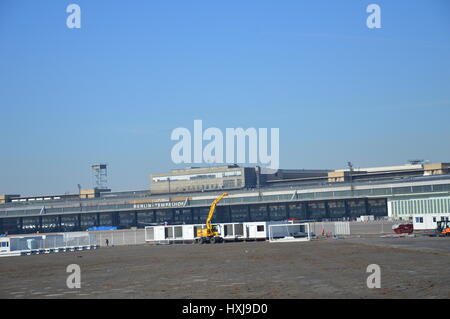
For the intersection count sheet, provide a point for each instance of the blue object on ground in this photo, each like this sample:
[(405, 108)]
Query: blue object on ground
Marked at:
[(103, 228)]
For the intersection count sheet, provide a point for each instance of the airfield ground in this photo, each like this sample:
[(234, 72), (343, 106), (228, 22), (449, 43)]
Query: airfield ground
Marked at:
[(410, 268)]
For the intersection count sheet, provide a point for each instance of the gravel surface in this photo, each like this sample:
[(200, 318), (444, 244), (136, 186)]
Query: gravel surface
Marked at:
[(410, 268)]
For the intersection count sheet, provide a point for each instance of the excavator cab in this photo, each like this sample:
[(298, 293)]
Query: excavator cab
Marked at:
[(210, 235), (443, 227)]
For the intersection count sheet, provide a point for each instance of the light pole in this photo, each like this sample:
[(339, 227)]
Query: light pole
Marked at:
[(168, 179)]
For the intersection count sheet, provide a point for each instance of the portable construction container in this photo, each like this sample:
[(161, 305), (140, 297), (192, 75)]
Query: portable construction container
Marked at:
[(172, 233), (232, 231), (5, 245), (256, 230), (428, 221), (179, 232), (158, 233)]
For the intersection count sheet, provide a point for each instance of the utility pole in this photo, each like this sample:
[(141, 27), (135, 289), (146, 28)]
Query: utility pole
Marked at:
[(258, 180)]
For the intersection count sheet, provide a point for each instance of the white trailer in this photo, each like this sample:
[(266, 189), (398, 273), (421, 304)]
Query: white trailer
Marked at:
[(170, 233), (5, 245), (428, 221), (231, 231), (256, 230)]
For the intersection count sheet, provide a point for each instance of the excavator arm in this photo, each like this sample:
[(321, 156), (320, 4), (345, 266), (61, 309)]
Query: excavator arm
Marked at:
[(212, 210)]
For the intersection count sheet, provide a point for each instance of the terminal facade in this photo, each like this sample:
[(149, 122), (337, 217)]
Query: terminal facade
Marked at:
[(261, 195)]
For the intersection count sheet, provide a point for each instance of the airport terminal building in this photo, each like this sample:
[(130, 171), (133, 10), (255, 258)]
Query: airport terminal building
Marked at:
[(256, 194)]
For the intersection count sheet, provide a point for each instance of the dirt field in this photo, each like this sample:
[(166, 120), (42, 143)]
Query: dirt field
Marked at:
[(410, 268)]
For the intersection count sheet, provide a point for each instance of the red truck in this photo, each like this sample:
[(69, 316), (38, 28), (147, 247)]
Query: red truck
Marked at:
[(403, 228)]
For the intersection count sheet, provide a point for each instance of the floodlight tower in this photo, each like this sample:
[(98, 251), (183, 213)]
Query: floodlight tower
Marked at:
[(350, 168), (100, 174)]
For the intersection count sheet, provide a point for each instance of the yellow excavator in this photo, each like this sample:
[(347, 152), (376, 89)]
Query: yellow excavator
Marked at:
[(210, 234)]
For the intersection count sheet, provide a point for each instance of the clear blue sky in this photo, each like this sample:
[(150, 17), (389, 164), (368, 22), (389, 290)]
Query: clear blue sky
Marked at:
[(114, 90)]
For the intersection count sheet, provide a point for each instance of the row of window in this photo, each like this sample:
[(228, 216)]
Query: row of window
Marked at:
[(421, 206), (196, 176), (238, 213), (227, 184), (419, 220)]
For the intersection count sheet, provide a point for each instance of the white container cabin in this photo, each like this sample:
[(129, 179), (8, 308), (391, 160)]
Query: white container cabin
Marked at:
[(232, 231), (170, 233), (257, 230), (428, 221)]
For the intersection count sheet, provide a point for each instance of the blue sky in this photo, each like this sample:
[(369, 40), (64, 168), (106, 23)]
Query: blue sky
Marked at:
[(114, 90)]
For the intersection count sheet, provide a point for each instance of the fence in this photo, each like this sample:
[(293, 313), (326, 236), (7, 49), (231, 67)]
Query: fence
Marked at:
[(353, 228), (45, 244), (137, 236), (120, 237)]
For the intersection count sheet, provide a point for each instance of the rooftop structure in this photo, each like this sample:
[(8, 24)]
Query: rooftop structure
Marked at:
[(203, 179)]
